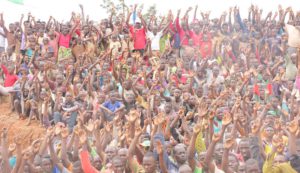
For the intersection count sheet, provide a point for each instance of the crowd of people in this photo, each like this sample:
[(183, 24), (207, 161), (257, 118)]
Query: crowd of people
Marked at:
[(171, 94)]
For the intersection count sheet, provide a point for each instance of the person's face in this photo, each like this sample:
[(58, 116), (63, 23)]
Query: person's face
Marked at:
[(51, 35), (245, 149), (252, 168), (269, 132), (65, 30), (294, 58), (225, 28), (149, 164), (177, 93), (97, 163), (46, 165), (219, 151), (138, 25), (59, 80), (215, 72), (85, 29), (122, 153), (201, 158), (192, 100), (110, 153), (11, 69), (118, 166), (105, 66), (127, 84), (130, 98), (237, 27), (197, 28), (101, 98), (113, 97), (49, 54), (242, 168), (180, 154), (168, 108), (233, 163), (278, 159), (68, 97), (11, 27)]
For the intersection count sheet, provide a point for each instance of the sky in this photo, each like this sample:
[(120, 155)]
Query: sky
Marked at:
[(61, 9)]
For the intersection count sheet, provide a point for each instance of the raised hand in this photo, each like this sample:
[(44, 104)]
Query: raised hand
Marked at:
[(159, 119), (12, 147), (82, 137), (229, 142), (197, 128), (133, 115), (255, 126), (226, 120), (90, 126), (293, 126), (202, 110), (216, 137)]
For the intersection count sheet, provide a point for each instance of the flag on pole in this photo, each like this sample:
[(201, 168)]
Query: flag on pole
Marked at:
[(20, 2)]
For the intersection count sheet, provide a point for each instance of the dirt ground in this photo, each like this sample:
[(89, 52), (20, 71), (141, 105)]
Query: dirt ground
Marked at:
[(15, 126)]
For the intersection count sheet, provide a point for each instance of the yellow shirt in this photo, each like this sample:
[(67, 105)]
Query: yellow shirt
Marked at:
[(280, 168)]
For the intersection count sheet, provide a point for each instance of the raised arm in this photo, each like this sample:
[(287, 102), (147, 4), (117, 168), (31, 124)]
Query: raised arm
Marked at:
[(82, 14), (4, 151), (191, 149), (55, 159), (195, 12)]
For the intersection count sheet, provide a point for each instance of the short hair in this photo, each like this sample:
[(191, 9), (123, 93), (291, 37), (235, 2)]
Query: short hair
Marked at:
[(244, 140), (251, 162), (116, 159), (150, 154)]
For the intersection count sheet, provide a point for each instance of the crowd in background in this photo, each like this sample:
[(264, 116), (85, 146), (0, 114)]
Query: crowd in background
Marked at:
[(139, 93)]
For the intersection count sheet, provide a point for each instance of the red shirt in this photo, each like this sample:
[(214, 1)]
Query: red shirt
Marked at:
[(9, 79), (64, 40), (139, 37), (86, 165), (205, 46), (184, 36), (196, 38), (206, 49)]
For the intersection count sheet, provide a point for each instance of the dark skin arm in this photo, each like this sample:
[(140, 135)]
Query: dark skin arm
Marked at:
[(64, 155), (82, 14), (211, 148), (4, 152), (191, 148), (160, 152), (19, 155), (54, 157), (128, 16), (195, 13), (143, 21), (132, 148)]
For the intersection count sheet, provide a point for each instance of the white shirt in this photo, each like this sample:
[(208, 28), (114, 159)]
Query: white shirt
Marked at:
[(154, 39), (2, 39)]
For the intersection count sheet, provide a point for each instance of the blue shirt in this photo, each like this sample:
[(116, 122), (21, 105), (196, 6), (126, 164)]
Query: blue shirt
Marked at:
[(112, 107)]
